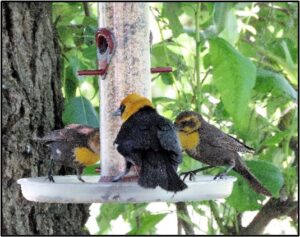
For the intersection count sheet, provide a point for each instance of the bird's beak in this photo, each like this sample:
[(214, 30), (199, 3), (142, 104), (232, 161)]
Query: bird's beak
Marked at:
[(117, 112)]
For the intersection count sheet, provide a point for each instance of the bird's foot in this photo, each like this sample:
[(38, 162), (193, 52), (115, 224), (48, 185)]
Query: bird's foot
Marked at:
[(126, 171), (118, 177), (79, 178), (50, 177), (191, 175), (220, 175)]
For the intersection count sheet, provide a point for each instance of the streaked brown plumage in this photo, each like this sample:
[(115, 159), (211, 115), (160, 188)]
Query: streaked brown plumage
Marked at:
[(206, 143), (74, 146)]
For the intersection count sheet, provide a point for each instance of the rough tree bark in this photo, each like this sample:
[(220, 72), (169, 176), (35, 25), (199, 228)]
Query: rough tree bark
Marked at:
[(31, 106)]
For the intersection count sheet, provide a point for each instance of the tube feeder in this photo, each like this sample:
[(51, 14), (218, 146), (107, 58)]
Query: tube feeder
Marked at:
[(123, 51)]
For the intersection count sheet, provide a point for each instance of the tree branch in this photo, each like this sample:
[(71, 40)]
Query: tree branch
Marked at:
[(182, 210), (218, 219), (179, 226), (295, 147), (86, 9), (274, 208)]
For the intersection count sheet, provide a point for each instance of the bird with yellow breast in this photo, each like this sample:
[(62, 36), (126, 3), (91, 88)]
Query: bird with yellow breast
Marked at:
[(206, 143)]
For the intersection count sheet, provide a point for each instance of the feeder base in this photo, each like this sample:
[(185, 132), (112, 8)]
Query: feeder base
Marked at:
[(68, 189)]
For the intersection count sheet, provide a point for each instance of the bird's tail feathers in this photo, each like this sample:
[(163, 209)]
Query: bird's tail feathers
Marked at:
[(251, 179), (175, 184), (156, 170)]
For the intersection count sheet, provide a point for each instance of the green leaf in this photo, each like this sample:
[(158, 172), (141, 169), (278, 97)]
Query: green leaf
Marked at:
[(188, 8), (284, 48), (270, 177), (290, 178), (268, 174), (243, 198), (67, 12), (290, 70), (89, 20), (74, 58), (109, 212), (148, 222), (274, 155), (189, 164), (87, 88), (220, 113), (172, 11), (276, 139), (96, 85), (220, 14), (80, 110), (70, 83), (90, 52), (246, 49), (162, 100), (206, 61), (230, 32), (167, 78), (163, 56), (90, 28), (269, 81), (91, 170), (234, 76), (197, 208), (65, 36), (187, 219)]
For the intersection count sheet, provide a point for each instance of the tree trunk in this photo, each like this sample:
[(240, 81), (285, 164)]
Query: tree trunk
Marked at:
[(31, 106)]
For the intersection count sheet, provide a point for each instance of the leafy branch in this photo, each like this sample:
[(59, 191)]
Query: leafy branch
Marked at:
[(157, 17), (274, 208), (197, 91), (218, 219), (181, 209)]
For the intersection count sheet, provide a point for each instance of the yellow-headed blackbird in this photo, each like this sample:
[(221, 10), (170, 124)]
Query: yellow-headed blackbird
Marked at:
[(75, 146), (149, 141), (206, 143)]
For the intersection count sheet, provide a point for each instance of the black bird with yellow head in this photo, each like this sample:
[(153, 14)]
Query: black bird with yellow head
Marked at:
[(148, 141), (206, 143)]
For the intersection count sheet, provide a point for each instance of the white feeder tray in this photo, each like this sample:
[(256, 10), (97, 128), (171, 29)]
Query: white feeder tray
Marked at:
[(68, 189)]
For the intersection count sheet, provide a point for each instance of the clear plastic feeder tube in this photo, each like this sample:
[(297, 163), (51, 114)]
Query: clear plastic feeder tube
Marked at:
[(128, 72)]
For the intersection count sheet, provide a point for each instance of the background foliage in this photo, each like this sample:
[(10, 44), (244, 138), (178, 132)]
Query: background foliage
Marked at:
[(236, 64)]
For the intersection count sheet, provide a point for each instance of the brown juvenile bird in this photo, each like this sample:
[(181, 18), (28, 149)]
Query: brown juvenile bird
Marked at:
[(75, 146), (206, 143), (149, 141)]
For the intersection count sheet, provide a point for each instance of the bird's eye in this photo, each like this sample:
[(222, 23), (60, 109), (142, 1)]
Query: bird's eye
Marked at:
[(184, 123), (122, 108)]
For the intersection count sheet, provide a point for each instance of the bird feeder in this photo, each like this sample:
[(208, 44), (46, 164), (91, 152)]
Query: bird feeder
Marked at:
[(123, 51)]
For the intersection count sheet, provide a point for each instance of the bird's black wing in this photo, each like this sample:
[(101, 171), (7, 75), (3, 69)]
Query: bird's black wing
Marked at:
[(168, 139), (136, 133)]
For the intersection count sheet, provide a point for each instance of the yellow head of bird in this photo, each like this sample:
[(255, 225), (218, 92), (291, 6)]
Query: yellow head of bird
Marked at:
[(131, 104), (188, 122)]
